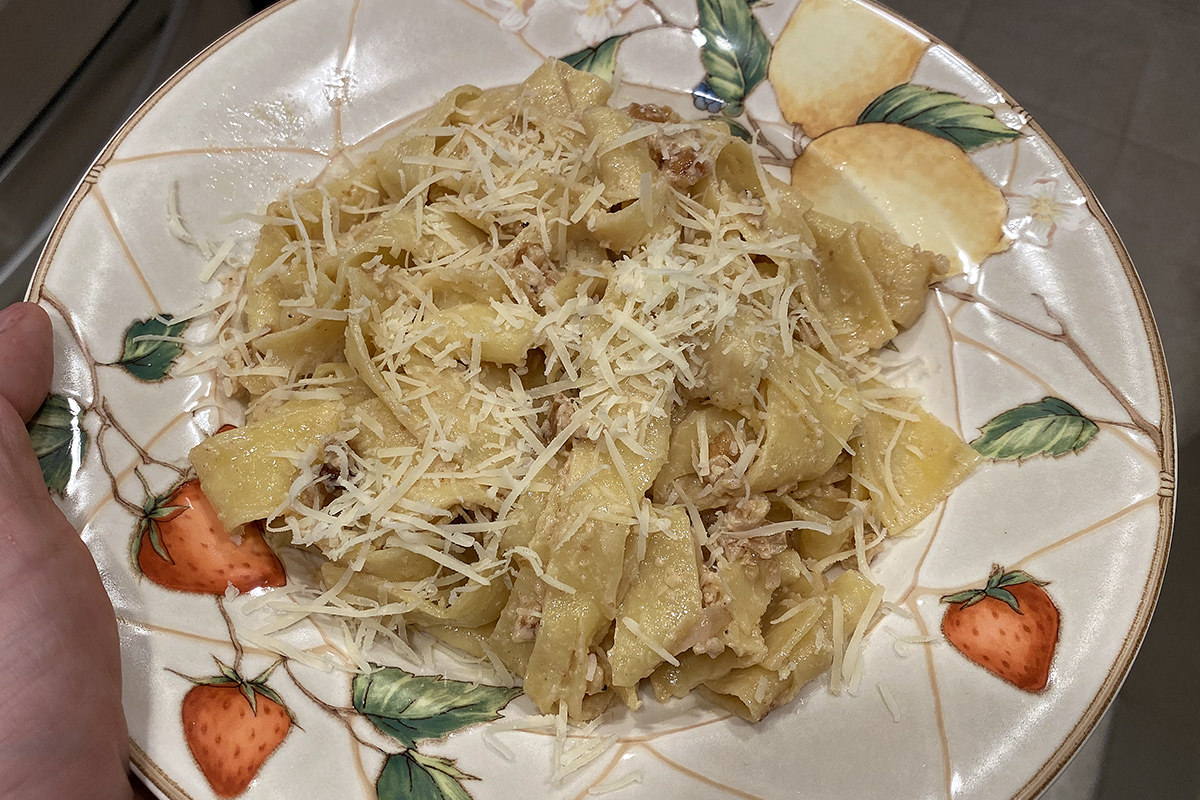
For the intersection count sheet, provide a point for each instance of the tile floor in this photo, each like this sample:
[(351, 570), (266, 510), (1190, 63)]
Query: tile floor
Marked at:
[(1116, 84)]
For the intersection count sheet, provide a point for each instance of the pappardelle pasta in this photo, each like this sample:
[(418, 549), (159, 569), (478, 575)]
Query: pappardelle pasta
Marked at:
[(584, 391)]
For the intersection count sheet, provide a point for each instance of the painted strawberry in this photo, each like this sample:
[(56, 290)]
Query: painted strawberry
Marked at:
[(232, 725), (1009, 627), (181, 544)]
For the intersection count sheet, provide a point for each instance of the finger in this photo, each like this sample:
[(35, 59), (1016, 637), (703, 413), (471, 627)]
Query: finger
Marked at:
[(59, 644), (23, 496), (26, 357)]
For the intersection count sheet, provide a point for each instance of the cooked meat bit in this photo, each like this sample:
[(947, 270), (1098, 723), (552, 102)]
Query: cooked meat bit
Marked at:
[(760, 547), (708, 635), (684, 168), (532, 268), (712, 590), (531, 281), (335, 471), (534, 255), (562, 409), (526, 622), (723, 452), (652, 112), (715, 615), (721, 485), (680, 157), (746, 515), (721, 488)]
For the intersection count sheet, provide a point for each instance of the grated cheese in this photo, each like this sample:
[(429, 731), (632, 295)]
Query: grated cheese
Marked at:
[(838, 633), (889, 700), (219, 258), (561, 336), (633, 627), (853, 664)]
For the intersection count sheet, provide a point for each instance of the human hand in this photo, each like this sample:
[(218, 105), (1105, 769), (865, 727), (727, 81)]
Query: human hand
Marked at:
[(62, 730)]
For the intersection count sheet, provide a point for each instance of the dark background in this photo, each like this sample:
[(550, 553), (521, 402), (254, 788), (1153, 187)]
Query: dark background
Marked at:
[(1115, 83)]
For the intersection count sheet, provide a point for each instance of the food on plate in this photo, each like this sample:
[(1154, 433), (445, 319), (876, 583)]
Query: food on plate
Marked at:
[(586, 392)]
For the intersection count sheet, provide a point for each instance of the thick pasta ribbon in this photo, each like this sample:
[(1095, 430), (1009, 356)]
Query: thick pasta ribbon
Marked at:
[(584, 391)]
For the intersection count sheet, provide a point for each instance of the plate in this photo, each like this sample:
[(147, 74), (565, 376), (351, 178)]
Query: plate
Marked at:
[(1043, 354)]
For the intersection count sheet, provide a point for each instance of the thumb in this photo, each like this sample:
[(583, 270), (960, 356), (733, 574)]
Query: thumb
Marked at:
[(26, 357), (30, 522), (25, 368)]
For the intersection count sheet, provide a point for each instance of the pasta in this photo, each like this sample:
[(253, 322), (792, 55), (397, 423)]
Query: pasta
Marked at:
[(585, 391)]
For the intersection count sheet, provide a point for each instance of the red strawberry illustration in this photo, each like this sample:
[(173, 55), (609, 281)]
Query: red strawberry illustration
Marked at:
[(191, 551), (232, 725), (1009, 627)]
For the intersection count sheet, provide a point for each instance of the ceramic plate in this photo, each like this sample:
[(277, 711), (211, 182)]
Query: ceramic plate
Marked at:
[(1043, 354)]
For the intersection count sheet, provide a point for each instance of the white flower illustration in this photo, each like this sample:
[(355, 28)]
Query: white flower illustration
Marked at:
[(1044, 208), (513, 14), (598, 18)]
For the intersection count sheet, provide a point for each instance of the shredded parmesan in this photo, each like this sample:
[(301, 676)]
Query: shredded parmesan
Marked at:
[(889, 701), (633, 627), (514, 327), (853, 662), (837, 631), (217, 261)]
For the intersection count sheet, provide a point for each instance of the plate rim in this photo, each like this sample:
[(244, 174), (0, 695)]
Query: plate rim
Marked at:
[(1134, 636), (1054, 765)]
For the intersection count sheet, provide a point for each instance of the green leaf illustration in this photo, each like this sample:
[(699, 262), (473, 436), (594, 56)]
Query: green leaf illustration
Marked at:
[(1004, 595), (58, 440), (155, 509), (410, 707), (1049, 427), (941, 114), (998, 579), (737, 129), (145, 355), (412, 776), (735, 51), (250, 689), (600, 59)]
